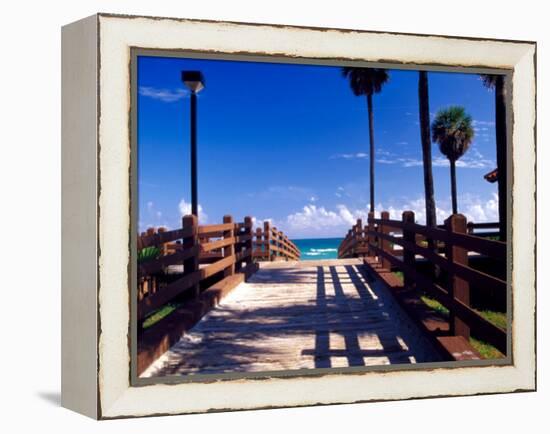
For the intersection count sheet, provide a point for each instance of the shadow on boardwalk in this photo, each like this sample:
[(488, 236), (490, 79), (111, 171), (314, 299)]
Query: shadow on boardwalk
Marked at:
[(303, 316)]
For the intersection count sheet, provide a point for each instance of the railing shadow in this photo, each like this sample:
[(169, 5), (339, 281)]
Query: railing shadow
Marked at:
[(357, 321)]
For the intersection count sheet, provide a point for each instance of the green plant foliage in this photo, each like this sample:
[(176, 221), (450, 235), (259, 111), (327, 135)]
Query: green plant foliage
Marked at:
[(486, 350), (160, 314), (452, 130), (148, 253)]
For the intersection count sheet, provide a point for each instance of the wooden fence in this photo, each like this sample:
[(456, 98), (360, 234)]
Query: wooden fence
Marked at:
[(400, 244), (190, 270), (273, 245), (193, 253)]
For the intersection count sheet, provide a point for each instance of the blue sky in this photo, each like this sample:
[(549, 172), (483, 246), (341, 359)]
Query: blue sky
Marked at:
[(289, 143)]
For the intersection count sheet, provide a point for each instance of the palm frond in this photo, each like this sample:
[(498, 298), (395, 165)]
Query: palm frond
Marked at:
[(489, 80), (365, 81), (452, 130)]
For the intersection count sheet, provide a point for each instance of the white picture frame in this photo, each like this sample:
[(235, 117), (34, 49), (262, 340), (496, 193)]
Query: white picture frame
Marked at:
[(96, 140)]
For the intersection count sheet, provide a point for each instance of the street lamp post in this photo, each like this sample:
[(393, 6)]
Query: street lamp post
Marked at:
[(194, 81)]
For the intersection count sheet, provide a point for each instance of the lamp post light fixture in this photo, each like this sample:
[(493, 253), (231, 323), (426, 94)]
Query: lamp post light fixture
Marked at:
[(194, 81)]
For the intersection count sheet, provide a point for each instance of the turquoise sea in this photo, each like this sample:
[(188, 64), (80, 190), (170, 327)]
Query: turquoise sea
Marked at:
[(318, 248)]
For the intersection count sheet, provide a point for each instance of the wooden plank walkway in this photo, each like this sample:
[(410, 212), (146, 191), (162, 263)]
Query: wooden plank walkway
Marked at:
[(295, 315)]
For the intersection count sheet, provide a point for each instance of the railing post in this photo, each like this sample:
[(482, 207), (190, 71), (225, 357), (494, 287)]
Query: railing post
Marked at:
[(273, 247), (267, 240), (275, 236), (353, 240), (151, 280), (249, 244), (229, 250), (459, 289), (281, 245), (238, 231), (163, 246), (259, 243), (408, 255), (371, 239), (359, 238), (278, 242), (191, 264), (385, 215)]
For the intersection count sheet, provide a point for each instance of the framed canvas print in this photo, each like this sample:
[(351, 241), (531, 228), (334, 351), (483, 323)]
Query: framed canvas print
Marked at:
[(260, 216)]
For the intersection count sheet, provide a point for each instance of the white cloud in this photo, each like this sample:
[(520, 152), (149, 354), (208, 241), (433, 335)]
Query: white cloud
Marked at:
[(259, 223), (473, 207), (164, 95), (417, 206), (319, 221), (318, 218), (151, 217), (477, 162), (386, 161), (185, 209), (341, 192), (476, 122), (478, 210), (352, 156)]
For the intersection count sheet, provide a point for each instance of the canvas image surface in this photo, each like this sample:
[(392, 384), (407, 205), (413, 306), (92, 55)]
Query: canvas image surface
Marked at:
[(299, 218)]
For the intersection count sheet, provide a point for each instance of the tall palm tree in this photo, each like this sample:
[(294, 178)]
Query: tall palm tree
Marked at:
[(424, 113), (452, 130), (497, 82), (367, 81)]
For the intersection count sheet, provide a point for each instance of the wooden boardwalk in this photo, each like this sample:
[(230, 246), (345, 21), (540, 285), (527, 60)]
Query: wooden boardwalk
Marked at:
[(295, 315)]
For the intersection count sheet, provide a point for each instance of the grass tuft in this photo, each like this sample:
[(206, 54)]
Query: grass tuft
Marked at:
[(160, 314), (487, 351), (399, 274), (435, 305), (497, 318)]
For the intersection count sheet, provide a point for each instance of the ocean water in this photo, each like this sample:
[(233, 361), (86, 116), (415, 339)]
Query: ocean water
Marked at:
[(318, 248)]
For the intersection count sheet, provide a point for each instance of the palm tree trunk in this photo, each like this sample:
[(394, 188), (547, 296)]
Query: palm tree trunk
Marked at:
[(500, 128), (453, 186), (424, 112), (371, 150)]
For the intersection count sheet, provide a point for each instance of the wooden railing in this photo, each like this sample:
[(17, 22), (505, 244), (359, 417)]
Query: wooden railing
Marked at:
[(189, 270), (271, 244), (182, 260), (401, 244)]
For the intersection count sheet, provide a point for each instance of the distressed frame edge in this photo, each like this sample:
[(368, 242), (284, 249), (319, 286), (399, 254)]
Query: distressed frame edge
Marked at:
[(112, 412), (304, 27)]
